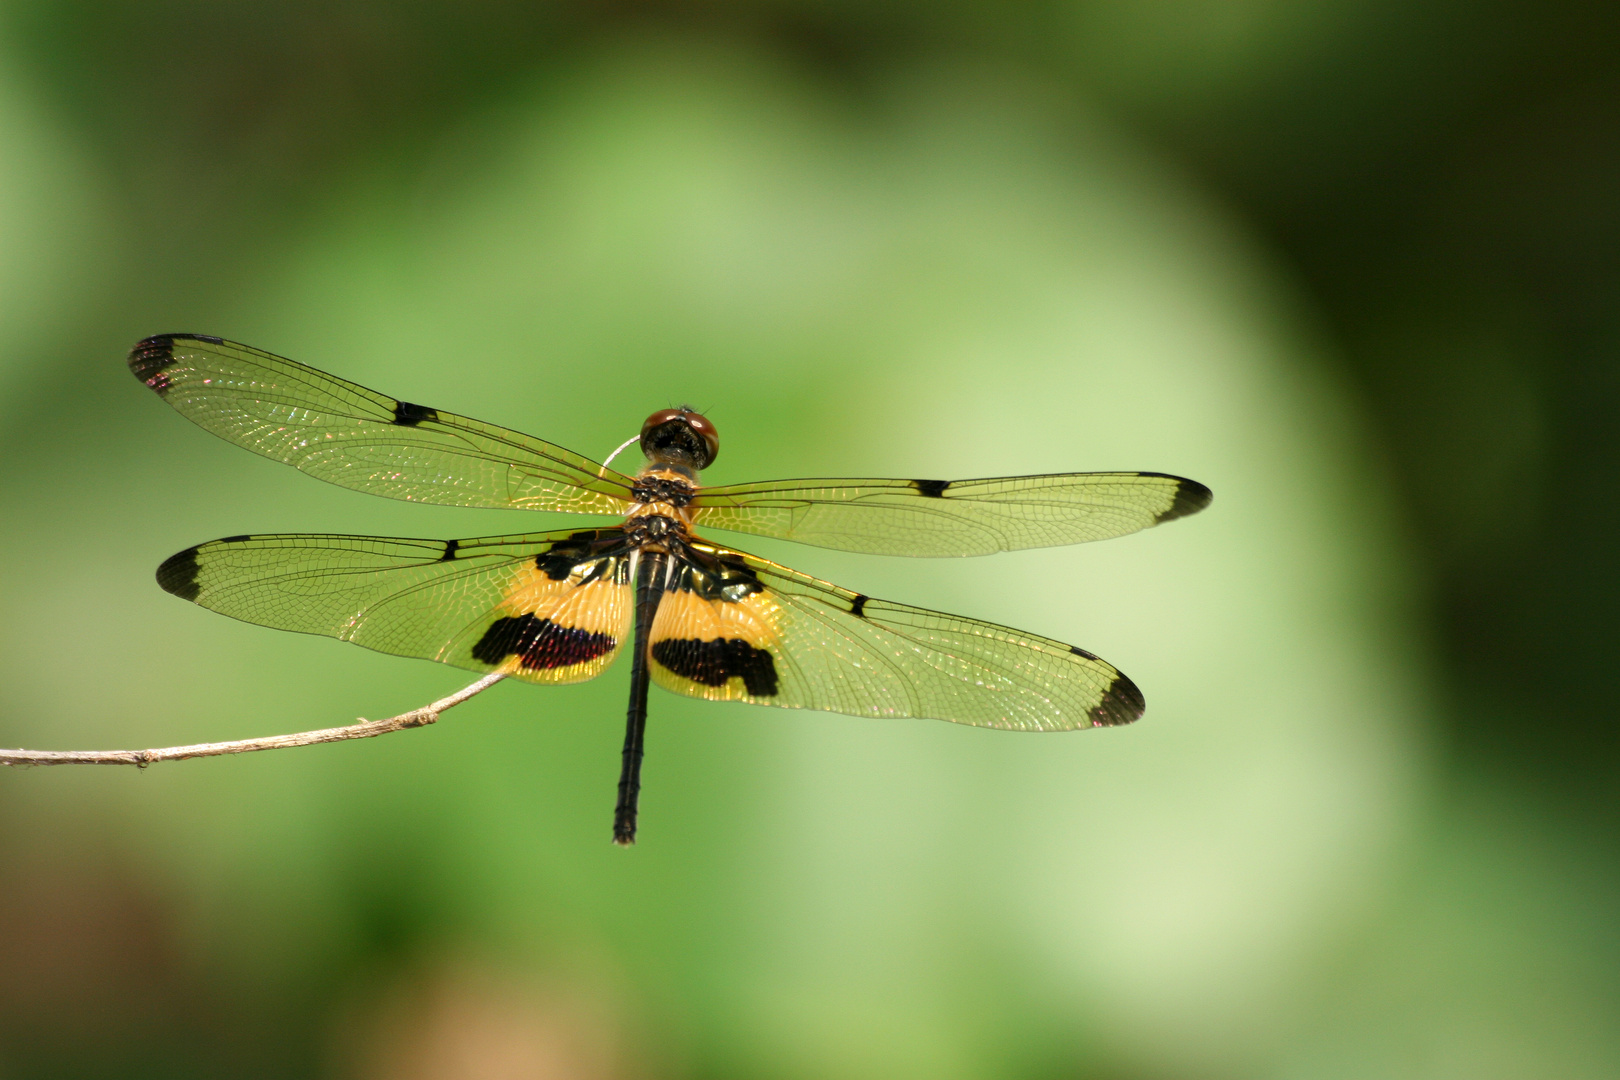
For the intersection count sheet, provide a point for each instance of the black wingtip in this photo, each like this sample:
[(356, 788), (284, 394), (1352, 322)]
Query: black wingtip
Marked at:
[(178, 574), (1191, 497), (152, 355), (148, 359), (1122, 704)]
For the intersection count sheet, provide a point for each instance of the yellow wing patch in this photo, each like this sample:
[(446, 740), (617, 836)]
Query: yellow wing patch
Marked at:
[(684, 614), (560, 631)]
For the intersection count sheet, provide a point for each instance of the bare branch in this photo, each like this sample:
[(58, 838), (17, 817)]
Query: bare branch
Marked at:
[(364, 729)]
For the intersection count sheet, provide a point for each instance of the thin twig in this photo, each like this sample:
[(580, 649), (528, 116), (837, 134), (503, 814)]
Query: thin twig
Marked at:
[(364, 729)]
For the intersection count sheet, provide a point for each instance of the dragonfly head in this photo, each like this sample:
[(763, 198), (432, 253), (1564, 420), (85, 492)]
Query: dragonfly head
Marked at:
[(680, 437)]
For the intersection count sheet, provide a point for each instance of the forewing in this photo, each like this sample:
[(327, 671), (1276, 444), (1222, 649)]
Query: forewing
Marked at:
[(951, 517), (735, 627), (357, 438), (547, 607)]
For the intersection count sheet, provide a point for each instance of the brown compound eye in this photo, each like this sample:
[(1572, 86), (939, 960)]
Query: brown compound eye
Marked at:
[(673, 434), (711, 438)]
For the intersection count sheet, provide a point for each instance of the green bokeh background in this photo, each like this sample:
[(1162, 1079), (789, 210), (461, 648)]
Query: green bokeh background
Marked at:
[(1350, 263)]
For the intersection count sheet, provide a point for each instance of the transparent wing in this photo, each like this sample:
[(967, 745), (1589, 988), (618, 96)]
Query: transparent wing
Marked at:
[(951, 517), (356, 438), (735, 627), (547, 607)]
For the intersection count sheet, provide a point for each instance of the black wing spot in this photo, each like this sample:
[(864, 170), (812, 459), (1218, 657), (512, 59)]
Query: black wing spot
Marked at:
[(1122, 704), (714, 663), (857, 606), (933, 489), (1078, 651), (150, 356), (540, 644), (233, 539), (408, 415), (178, 574), (722, 578), (209, 338), (557, 562), (450, 547), (1191, 497)]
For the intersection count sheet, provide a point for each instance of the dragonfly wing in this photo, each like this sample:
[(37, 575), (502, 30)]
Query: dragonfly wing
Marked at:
[(547, 607), (357, 438), (951, 517), (735, 627)]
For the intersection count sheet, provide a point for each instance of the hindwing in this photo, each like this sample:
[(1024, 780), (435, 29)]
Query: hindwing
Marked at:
[(735, 627), (546, 607)]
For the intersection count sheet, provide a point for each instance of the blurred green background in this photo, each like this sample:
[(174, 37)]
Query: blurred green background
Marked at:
[(1355, 264)]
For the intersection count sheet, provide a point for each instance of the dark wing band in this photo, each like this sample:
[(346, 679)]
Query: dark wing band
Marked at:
[(353, 437), (958, 517), (735, 627), (547, 607)]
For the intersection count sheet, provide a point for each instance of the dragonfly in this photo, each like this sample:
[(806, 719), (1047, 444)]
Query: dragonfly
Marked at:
[(704, 620)]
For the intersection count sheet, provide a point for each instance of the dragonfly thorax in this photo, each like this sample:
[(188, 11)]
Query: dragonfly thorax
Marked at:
[(656, 485), (654, 532), (660, 510)]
